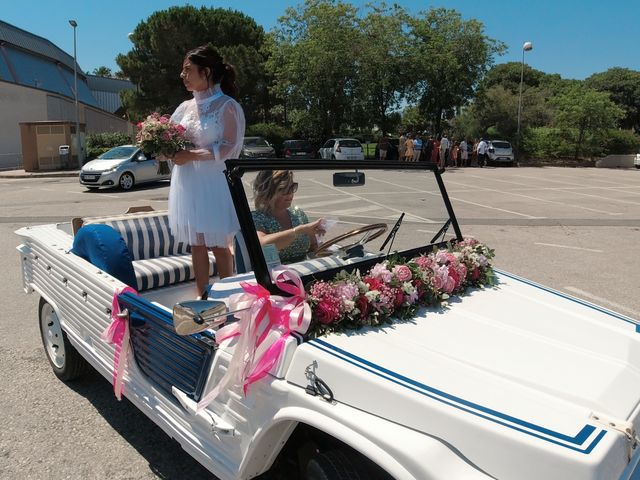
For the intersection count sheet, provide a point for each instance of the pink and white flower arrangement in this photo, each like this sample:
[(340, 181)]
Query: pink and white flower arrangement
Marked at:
[(396, 289), (158, 135)]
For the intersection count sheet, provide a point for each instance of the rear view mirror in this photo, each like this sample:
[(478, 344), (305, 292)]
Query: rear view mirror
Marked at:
[(348, 179)]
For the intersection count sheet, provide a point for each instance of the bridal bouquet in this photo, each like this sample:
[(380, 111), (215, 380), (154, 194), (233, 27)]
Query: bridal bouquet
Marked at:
[(157, 135)]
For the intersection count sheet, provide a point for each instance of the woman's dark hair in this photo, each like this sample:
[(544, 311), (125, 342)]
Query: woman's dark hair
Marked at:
[(205, 56)]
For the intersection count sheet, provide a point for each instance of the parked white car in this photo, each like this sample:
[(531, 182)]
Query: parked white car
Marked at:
[(342, 149), (500, 151), (636, 160), (123, 166), (515, 381)]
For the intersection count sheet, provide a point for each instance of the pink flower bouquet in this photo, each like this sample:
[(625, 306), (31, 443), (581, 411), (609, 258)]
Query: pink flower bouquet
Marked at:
[(397, 288), (157, 135)]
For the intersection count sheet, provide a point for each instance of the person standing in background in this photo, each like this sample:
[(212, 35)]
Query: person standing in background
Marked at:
[(464, 153)]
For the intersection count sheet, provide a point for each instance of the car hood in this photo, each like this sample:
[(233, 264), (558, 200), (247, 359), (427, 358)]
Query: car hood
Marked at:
[(516, 367), (102, 165)]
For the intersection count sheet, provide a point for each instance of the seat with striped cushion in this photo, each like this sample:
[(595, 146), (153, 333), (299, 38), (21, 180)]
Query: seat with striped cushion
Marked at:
[(158, 259)]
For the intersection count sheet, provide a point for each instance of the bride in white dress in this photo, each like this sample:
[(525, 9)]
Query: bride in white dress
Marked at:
[(201, 212)]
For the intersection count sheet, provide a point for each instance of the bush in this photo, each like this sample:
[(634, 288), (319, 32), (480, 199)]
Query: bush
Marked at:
[(275, 134), (621, 142), (98, 143), (546, 142)]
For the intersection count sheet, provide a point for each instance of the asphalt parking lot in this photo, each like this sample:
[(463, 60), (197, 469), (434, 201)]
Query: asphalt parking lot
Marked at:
[(575, 230)]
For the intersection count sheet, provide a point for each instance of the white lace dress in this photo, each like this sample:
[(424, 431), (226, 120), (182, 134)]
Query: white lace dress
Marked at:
[(200, 206)]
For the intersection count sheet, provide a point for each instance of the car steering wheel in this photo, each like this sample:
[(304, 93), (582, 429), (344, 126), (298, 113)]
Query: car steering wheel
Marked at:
[(376, 230)]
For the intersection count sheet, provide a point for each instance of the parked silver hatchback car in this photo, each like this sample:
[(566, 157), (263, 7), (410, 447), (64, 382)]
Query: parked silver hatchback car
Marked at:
[(500, 151), (123, 166)]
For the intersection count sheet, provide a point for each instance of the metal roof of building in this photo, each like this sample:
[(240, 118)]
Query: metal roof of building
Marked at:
[(29, 60), (28, 41)]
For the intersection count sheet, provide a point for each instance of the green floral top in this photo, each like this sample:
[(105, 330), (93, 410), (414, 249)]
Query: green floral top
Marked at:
[(297, 250)]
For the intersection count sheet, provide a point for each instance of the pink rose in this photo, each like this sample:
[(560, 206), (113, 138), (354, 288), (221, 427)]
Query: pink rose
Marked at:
[(402, 273), (399, 298)]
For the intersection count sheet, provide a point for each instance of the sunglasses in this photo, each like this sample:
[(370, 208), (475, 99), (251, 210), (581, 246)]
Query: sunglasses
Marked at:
[(293, 188)]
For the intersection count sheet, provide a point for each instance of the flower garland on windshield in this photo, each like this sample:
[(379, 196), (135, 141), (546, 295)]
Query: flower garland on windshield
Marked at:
[(397, 288)]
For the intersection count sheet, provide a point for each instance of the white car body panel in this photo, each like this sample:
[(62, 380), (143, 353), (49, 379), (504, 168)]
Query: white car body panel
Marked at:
[(504, 383)]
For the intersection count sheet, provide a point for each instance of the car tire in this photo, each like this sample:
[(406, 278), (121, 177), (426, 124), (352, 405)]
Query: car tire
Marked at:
[(126, 181), (637, 166), (66, 362), (334, 465)]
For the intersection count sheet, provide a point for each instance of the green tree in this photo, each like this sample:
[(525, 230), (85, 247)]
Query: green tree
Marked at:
[(507, 75), (623, 85), (159, 46), (450, 57), (584, 116), (383, 63), (313, 61), (102, 72)]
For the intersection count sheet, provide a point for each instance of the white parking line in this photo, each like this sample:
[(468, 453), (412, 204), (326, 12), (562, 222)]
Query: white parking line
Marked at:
[(327, 202), (571, 247), (461, 200), (538, 199), (375, 203), (603, 301), (365, 208), (600, 197)]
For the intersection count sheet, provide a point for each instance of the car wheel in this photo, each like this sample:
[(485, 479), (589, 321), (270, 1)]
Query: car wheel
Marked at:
[(332, 465), (65, 360), (637, 166), (126, 181)]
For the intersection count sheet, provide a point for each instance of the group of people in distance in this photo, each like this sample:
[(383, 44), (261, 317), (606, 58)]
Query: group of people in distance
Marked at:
[(201, 211), (413, 147)]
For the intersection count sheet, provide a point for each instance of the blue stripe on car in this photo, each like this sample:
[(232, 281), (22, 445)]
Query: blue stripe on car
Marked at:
[(467, 406)]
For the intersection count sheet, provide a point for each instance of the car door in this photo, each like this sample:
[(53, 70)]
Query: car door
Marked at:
[(327, 149), (146, 167)]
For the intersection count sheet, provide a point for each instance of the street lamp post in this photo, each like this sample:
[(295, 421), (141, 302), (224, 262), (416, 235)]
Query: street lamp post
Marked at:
[(74, 24), (525, 48)]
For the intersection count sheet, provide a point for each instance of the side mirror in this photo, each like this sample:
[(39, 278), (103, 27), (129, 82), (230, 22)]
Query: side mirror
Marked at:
[(348, 179), (141, 157), (194, 316)]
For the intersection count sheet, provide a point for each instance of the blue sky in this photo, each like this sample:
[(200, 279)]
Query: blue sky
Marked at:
[(574, 38)]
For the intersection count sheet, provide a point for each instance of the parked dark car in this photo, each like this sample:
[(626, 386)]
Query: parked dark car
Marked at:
[(298, 149)]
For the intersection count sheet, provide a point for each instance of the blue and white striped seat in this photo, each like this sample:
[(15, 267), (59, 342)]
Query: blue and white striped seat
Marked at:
[(158, 259)]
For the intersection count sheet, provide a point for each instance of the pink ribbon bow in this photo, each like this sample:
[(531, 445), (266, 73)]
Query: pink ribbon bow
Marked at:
[(262, 330), (117, 333)]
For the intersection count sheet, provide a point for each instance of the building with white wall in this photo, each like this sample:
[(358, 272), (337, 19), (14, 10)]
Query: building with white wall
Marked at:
[(36, 84)]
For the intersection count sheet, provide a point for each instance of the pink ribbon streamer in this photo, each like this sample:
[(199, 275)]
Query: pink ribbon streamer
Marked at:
[(117, 333), (262, 330)]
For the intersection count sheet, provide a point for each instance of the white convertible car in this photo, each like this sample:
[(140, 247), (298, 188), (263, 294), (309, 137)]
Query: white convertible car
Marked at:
[(512, 381)]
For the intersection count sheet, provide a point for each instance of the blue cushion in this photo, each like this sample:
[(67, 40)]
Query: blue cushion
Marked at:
[(104, 247)]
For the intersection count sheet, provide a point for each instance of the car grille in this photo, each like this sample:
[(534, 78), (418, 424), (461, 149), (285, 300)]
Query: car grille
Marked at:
[(90, 177)]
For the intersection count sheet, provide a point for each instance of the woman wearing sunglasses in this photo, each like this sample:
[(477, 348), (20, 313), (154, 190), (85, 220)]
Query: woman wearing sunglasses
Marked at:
[(277, 222)]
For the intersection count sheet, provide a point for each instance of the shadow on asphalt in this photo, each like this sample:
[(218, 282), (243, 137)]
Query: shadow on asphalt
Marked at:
[(166, 458), (137, 188)]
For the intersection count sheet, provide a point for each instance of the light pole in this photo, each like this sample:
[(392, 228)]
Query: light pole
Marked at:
[(74, 24), (525, 48)]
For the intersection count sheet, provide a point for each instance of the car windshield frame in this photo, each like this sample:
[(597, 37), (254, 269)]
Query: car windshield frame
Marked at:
[(254, 142), (297, 144), (236, 168), (347, 143), (106, 156)]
